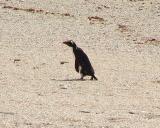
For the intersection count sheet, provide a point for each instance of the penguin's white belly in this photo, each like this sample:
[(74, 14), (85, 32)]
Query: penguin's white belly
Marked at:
[(79, 68)]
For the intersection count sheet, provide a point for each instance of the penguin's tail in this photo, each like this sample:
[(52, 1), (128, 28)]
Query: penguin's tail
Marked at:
[(93, 77)]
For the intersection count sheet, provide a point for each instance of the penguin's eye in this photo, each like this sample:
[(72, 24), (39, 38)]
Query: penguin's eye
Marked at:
[(71, 41)]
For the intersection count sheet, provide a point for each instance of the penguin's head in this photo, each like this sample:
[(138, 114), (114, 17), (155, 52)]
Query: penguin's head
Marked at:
[(70, 43)]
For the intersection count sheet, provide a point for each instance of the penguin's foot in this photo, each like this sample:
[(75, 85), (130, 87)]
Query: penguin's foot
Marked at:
[(93, 78), (81, 77)]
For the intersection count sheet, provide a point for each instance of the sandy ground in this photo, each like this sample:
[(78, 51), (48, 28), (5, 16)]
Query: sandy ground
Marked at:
[(122, 40)]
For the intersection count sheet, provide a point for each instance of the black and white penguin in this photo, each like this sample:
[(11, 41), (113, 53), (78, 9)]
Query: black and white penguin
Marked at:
[(82, 63)]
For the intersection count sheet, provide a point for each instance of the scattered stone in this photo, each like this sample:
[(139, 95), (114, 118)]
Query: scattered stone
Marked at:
[(95, 18), (39, 94), (35, 67), (66, 14), (63, 62), (122, 28), (99, 8), (105, 6), (27, 123), (131, 113), (16, 60), (84, 111)]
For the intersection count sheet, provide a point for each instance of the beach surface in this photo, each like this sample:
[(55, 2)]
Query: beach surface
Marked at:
[(38, 82)]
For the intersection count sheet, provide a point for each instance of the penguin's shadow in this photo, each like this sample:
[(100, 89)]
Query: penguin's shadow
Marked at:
[(71, 80)]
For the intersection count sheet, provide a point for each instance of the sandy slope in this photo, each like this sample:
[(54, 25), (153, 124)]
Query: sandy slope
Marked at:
[(123, 43)]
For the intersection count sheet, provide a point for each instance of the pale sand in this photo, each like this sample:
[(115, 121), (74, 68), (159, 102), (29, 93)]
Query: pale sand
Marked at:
[(122, 42)]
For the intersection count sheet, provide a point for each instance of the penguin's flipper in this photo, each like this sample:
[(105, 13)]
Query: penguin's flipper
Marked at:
[(76, 65)]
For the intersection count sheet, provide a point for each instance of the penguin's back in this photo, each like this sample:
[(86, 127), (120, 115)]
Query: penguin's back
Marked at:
[(83, 61)]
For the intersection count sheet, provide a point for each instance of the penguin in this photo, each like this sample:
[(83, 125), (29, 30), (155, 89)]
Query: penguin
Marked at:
[(82, 62)]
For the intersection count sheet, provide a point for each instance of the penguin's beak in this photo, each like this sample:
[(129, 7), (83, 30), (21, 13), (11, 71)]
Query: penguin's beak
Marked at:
[(65, 42), (68, 43)]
